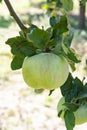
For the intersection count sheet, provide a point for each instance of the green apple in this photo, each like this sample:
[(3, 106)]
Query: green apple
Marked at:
[(45, 70), (60, 107), (80, 114)]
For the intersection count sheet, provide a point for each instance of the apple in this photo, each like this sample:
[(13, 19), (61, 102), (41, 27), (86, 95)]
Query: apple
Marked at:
[(80, 114), (45, 70), (62, 107)]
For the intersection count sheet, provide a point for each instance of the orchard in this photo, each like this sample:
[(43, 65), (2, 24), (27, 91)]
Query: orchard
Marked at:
[(47, 60)]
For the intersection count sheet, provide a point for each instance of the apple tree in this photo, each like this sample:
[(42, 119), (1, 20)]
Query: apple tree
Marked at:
[(45, 56)]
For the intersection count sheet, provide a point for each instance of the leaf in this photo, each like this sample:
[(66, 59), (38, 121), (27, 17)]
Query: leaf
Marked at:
[(39, 38), (54, 20), (20, 46), (60, 27), (77, 82), (70, 53), (59, 4), (72, 64), (68, 38), (69, 120), (77, 87), (86, 85), (73, 56), (67, 4), (71, 106), (49, 30), (32, 27), (57, 50), (66, 87), (17, 62), (82, 94), (71, 89), (0, 1)]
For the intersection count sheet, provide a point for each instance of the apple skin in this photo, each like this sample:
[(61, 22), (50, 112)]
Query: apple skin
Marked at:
[(45, 70), (80, 114), (60, 107)]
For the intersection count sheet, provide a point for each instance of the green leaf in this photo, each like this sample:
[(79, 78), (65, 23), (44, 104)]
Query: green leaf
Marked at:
[(32, 27), (20, 46), (77, 82), (73, 56), (70, 53), (17, 62), (71, 89), (71, 106), (68, 37), (54, 20), (57, 49), (0, 1), (51, 44), (86, 85), (66, 87), (49, 30), (72, 64), (83, 93), (69, 120), (60, 27), (67, 4), (59, 4), (39, 38)]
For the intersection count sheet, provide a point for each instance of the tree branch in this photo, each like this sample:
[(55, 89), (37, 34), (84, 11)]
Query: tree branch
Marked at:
[(14, 15)]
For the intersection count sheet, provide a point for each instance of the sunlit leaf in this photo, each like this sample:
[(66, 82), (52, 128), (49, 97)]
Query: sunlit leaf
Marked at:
[(20, 46), (39, 38)]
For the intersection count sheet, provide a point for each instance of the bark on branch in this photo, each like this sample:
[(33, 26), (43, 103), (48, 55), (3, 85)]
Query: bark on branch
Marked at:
[(14, 15)]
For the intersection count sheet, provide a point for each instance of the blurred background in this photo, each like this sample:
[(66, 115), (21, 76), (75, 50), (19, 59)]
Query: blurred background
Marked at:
[(20, 107)]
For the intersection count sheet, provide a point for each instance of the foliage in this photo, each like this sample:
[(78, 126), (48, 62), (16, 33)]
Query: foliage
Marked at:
[(83, 2), (74, 92), (57, 39), (65, 5)]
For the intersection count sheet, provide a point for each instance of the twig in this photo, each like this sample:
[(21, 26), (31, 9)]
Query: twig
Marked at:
[(14, 15)]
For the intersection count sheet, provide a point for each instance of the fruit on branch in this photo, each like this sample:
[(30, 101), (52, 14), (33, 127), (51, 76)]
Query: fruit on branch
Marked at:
[(45, 70), (80, 114)]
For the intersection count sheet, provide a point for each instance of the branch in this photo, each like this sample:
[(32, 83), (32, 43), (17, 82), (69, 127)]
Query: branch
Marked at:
[(14, 15)]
